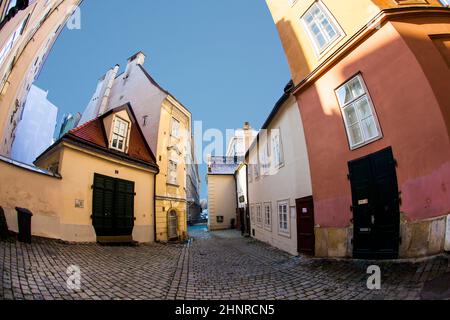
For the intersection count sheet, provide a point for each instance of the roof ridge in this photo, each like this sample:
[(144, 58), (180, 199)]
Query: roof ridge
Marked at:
[(74, 130)]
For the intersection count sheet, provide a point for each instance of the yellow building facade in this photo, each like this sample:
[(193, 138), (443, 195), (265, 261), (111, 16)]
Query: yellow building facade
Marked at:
[(26, 37)]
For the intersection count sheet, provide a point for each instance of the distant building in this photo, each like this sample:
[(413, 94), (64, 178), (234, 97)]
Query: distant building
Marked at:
[(372, 78), (36, 127), (68, 123), (222, 201)]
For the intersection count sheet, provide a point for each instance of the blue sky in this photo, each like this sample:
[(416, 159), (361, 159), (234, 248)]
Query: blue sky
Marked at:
[(222, 59)]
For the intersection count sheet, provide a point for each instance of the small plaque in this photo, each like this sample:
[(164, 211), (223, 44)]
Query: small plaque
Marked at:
[(79, 204), (305, 210), (363, 202)]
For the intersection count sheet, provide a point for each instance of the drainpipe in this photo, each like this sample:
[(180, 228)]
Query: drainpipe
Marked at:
[(110, 77)]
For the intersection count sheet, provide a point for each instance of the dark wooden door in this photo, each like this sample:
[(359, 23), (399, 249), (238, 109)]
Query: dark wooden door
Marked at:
[(376, 206), (113, 206), (305, 226)]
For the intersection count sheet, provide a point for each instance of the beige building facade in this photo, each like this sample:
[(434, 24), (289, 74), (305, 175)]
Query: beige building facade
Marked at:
[(278, 176), (166, 125), (27, 34)]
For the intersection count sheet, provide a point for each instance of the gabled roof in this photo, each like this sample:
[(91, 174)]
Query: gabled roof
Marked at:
[(93, 135)]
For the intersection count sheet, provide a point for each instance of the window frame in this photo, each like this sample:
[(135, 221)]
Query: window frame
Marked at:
[(125, 138), (259, 215), (252, 214), (284, 232), (332, 20), (267, 226), (342, 108)]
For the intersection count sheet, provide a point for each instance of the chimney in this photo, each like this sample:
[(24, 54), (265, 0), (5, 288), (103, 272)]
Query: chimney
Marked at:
[(137, 59), (247, 126)]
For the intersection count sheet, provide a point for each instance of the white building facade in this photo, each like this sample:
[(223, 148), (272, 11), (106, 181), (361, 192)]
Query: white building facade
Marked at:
[(278, 176), (36, 127)]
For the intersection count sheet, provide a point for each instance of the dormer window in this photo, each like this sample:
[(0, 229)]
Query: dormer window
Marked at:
[(120, 134)]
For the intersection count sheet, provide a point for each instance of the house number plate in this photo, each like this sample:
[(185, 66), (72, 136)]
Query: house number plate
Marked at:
[(363, 202)]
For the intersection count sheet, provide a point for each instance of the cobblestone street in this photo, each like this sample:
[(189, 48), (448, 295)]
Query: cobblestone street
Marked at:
[(219, 265)]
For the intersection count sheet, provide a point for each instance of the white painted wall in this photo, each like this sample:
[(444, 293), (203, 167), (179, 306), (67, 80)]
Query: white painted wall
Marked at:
[(36, 129), (221, 201), (292, 181), (131, 87)]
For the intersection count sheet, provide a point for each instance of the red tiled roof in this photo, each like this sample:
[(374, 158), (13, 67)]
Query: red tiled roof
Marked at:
[(93, 132)]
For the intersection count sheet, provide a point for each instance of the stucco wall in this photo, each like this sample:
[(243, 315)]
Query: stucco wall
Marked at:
[(292, 181), (52, 201), (39, 193), (410, 117), (221, 200), (351, 16)]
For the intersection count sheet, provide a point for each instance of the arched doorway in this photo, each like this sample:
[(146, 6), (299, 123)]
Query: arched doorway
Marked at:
[(172, 225)]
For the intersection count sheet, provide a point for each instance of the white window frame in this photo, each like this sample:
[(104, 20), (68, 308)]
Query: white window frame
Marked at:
[(252, 214), (352, 103), (267, 216), (119, 135), (175, 131), (259, 215), (286, 232), (333, 22)]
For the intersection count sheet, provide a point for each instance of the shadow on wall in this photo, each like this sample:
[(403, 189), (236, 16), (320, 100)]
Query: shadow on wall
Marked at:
[(293, 49)]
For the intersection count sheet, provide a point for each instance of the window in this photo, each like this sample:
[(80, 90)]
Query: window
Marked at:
[(259, 219), (175, 128), (172, 172), (252, 213), (445, 3), (283, 218), (359, 116), (268, 216), (320, 27), (277, 148), (120, 134)]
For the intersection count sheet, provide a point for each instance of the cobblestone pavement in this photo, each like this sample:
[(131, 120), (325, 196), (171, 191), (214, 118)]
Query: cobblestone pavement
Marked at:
[(219, 265)]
